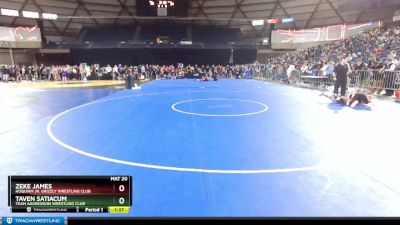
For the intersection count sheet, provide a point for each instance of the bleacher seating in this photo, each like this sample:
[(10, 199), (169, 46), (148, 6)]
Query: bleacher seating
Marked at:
[(109, 34), (214, 35), (104, 45), (176, 33), (122, 37)]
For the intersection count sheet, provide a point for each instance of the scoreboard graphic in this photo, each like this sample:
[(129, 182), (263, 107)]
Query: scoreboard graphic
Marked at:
[(157, 8), (70, 194), (287, 39), (20, 37)]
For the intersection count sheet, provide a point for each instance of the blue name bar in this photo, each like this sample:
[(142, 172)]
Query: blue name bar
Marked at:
[(32, 220)]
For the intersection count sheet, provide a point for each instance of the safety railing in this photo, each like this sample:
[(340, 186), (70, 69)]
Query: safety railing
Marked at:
[(388, 80), (373, 80)]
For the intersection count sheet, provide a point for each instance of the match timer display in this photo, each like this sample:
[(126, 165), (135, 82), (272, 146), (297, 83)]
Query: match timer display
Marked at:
[(70, 194), (155, 8)]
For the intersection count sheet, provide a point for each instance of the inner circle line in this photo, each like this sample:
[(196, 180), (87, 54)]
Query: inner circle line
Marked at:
[(219, 115)]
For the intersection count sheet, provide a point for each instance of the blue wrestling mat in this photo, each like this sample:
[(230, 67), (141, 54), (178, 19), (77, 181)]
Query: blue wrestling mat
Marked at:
[(225, 148)]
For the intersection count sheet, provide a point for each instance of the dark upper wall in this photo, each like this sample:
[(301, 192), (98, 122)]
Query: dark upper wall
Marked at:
[(150, 56), (176, 32)]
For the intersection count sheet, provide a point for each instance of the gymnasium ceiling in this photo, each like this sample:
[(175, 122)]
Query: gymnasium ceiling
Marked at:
[(75, 14)]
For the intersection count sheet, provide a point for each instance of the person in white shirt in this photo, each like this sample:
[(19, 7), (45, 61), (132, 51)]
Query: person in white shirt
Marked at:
[(349, 71), (115, 72), (304, 68), (258, 70), (87, 73), (23, 70), (323, 69), (290, 73), (74, 73), (142, 70), (108, 71)]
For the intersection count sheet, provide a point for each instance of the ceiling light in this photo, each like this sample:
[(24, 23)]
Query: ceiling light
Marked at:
[(257, 22), (49, 16), (30, 14), (9, 12)]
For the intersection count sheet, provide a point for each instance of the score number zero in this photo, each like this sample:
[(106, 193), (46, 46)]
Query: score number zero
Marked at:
[(121, 187)]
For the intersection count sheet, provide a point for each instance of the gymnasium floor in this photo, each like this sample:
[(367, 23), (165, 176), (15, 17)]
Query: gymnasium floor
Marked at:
[(226, 148)]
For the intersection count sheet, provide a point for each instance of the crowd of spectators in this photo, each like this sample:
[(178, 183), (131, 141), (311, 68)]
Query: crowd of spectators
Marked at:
[(118, 72), (375, 50)]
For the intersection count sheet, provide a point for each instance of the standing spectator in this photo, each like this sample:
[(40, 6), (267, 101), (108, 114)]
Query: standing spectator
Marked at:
[(360, 75), (290, 72), (64, 75), (87, 71), (23, 73), (389, 77), (108, 72), (74, 73), (329, 71), (12, 71), (5, 73), (115, 73), (17, 74), (378, 69), (142, 70), (121, 70)]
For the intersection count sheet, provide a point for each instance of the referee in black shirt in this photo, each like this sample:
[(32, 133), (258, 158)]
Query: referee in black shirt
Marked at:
[(340, 72)]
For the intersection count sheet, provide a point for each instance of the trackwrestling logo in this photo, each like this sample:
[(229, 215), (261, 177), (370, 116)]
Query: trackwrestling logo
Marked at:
[(33, 220)]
